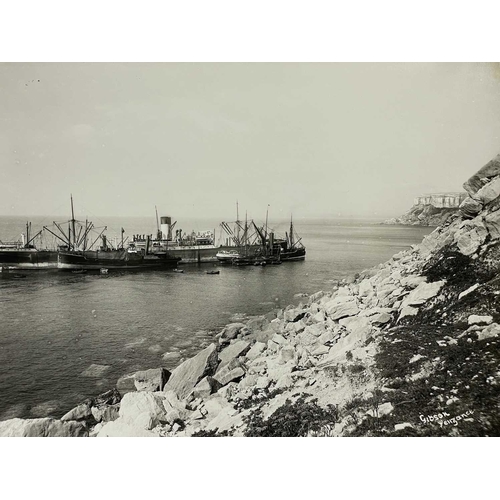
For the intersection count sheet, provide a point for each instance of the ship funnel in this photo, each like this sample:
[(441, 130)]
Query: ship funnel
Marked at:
[(166, 228)]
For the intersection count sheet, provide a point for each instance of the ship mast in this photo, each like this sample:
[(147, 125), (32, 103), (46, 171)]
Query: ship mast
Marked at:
[(158, 233), (237, 225), (291, 232), (73, 224)]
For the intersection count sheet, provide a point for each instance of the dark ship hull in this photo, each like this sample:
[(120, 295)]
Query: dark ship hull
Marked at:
[(28, 258), (114, 259), (293, 254)]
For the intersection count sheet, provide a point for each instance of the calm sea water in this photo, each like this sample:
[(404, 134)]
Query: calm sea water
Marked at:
[(55, 326)]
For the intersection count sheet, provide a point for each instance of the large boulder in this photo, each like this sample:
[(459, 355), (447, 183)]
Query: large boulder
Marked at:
[(489, 192), (42, 427), (142, 409), (483, 176), (184, 378), (470, 239), (80, 412), (422, 293), (470, 208), (232, 351), (229, 373), (341, 307)]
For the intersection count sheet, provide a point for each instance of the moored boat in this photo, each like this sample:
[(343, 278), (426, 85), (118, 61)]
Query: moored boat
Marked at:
[(25, 254), (79, 255)]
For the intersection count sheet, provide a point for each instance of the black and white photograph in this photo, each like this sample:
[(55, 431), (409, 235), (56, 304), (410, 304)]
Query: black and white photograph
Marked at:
[(237, 247)]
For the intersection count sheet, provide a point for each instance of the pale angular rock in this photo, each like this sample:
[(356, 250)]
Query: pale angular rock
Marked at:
[(228, 374), (341, 307), (365, 288), (384, 291), (278, 339), (358, 335), (319, 317), (479, 320), (470, 207), (151, 380), (287, 353), (81, 412), (416, 358), (190, 372), (229, 390), (293, 315), (171, 400), (400, 427), (423, 293), (134, 404), (489, 332), (326, 337), (298, 326), (276, 373), (353, 324), (407, 311), (469, 290), (320, 350), (232, 351), (380, 319), (42, 427), (483, 176), (255, 350), (232, 330), (488, 192), (248, 381), (223, 421), (413, 281), (262, 383), (205, 387), (468, 242), (284, 382), (306, 338)]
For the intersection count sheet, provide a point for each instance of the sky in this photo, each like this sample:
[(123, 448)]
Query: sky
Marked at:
[(312, 139)]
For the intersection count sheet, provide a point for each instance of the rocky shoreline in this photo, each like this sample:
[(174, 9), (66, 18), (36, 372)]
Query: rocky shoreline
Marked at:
[(409, 348)]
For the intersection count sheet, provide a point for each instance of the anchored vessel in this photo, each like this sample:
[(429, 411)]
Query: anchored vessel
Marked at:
[(24, 254), (197, 247), (77, 254)]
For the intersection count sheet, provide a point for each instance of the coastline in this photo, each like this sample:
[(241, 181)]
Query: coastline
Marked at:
[(407, 348)]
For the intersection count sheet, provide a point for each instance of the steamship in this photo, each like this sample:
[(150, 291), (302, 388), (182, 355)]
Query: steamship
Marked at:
[(197, 247), (24, 254), (242, 244), (78, 254)]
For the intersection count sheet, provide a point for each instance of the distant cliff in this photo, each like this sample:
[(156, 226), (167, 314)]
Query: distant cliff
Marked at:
[(430, 209)]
